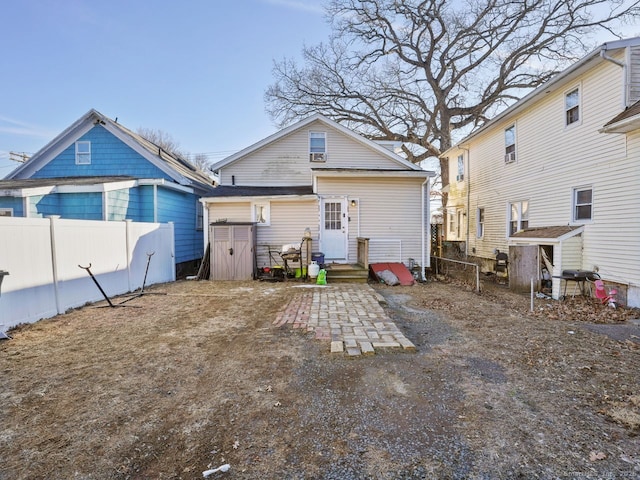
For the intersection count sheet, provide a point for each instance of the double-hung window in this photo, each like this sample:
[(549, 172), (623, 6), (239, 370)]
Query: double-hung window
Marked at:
[(83, 152), (518, 216), (199, 216), (460, 176), (582, 204), (572, 107), (480, 223), (317, 146), (510, 144)]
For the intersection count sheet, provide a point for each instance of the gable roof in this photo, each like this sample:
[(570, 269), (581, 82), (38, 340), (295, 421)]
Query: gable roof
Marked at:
[(597, 56), (553, 233), (330, 123), (177, 168), (626, 121)]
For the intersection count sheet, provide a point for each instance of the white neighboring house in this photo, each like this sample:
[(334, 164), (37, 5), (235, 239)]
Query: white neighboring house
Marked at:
[(558, 174), (319, 175)]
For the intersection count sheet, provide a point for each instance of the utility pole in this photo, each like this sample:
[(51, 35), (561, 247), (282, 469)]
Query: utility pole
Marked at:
[(20, 157)]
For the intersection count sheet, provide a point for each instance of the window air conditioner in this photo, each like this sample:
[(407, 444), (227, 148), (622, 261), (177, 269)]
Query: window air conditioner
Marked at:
[(510, 157), (317, 157)]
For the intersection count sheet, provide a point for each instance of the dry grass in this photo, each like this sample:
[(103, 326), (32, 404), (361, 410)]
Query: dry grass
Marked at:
[(198, 377)]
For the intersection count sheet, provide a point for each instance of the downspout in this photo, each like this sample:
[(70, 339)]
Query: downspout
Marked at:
[(468, 215), (423, 203), (625, 90)]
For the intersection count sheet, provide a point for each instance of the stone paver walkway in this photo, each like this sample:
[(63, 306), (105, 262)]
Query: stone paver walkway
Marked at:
[(348, 315)]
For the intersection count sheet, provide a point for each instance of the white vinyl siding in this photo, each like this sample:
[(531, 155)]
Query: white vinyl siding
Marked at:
[(288, 222), (388, 212), (286, 162), (552, 160)]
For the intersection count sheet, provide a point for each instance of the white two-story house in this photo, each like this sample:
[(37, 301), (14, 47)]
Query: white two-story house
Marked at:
[(554, 180)]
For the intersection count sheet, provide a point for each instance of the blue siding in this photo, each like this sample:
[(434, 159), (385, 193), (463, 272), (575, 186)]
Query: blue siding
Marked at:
[(82, 206), (112, 157), (145, 199), (15, 203), (180, 208), (45, 205), (109, 157)]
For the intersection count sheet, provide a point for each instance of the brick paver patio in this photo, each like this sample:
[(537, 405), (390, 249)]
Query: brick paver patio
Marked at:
[(348, 315)]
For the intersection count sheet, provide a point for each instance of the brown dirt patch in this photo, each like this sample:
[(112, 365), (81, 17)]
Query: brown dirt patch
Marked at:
[(201, 377)]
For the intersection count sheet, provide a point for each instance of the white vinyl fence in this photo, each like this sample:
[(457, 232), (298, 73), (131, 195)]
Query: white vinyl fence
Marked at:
[(42, 256)]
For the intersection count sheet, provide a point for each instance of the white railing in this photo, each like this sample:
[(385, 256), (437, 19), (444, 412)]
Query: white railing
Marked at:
[(42, 256)]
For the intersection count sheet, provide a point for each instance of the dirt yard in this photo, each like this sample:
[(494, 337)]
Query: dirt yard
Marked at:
[(198, 377)]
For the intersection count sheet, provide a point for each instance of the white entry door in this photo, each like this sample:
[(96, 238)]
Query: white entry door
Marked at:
[(334, 229)]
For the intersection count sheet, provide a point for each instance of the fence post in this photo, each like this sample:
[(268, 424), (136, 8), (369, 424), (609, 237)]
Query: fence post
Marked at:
[(127, 233), (54, 261), (173, 250)]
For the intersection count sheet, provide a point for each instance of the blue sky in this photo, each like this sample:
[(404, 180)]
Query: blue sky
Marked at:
[(196, 70)]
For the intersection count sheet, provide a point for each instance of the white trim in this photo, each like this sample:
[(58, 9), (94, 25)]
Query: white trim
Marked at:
[(574, 192), (105, 205), (164, 183), (266, 204), (355, 173), (344, 224), (96, 187), (567, 91), (82, 155), (478, 222), (27, 192), (249, 199)]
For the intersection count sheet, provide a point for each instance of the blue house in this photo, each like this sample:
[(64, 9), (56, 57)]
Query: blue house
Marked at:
[(99, 170)]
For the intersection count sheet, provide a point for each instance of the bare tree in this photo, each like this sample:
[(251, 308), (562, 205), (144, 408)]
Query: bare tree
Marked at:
[(162, 139), (200, 161), (165, 141), (421, 72)]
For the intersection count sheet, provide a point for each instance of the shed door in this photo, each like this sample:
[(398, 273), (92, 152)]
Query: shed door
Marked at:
[(524, 264), (232, 252), (334, 229)]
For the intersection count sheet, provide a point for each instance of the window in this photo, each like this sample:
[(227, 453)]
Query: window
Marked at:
[(582, 204), (452, 224), (460, 176), (83, 153), (572, 107), (317, 146), (480, 223), (518, 216), (261, 213), (333, 216), (6, 212), (199, 215), (510, 144)]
